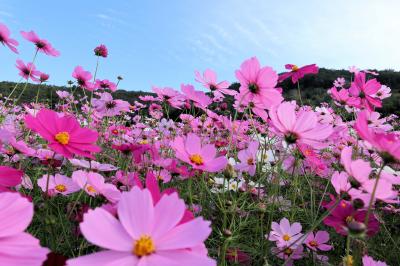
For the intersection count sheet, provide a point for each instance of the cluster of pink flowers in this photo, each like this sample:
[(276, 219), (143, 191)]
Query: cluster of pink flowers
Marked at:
[(124, 170)]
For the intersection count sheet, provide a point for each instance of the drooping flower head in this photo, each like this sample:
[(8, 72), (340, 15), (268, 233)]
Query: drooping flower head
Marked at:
[(298, 72), (42, 45), (6, 40), (145, 233), (64, 134)]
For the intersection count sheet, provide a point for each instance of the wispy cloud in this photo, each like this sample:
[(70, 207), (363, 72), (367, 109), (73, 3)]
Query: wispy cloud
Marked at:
[(6, 14)]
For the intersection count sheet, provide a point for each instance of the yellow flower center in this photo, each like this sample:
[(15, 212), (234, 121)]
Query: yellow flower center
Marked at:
[(295, 68), (196, 159), (144, 246), (348, 260), (288, 251), (62, 138), (349, 219), (144, 141), (313, 243), (90, 189), (286, 237), (61, 188)]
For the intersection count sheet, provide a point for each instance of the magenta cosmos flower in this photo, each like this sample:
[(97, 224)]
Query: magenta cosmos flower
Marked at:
[(387, 144), (105, 84), (101, 50), (9, 177), (202, 157), (6, 40), (28, 71), (299, 127), (209, 81), (169, 95), (364, 92), (18, 247), (64, 134), (83, 78), (298, 72), (145, 234), (41, 44), (258, 84)]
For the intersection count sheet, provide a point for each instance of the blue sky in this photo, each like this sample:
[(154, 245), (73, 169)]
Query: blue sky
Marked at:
[(163, 42)]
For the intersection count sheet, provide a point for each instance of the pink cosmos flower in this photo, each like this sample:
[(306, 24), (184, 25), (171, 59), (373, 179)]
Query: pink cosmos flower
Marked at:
[(28, 71), (93, 165), (339, 82), (6, 40), (209, 81), (298, 72), (299, 127), (83, 78), (101, 50), (248, 159), (387, 144), (9, 177), (58, 184), (383, 93), (42, 45), (107, 106), (199, 98), (202, 157), (284, 234), (342, 97), (169, 95), (369, 261), (94, 185), (105, 84), (18, 247), (64, 134), (258, 84), (43, 77), (289, 253), (318, 241), (365, 91), (145, 234)]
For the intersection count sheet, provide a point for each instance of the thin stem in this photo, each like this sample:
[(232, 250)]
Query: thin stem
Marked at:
[(373, 195)]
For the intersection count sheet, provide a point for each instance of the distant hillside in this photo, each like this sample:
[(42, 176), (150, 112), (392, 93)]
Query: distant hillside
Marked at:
[(313, 88)]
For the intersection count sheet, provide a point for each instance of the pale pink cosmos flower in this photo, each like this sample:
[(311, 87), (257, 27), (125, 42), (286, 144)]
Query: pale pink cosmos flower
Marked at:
[(145, 234), (107, 106), (58, 184), (248, 159), (83, 78), (299, 127), (42, 45), (340, 181), (18, 247), (199, 98), (342, 97), (298, 72), (383, 93), (209, 81), (93, 165), (369, 261), (28, 71), (202, 157), (339, 82), (364, 92), (94, 184), (258, 84), (318, 241), (6, 40), (169, 95), (289, 253), (284, 233)]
